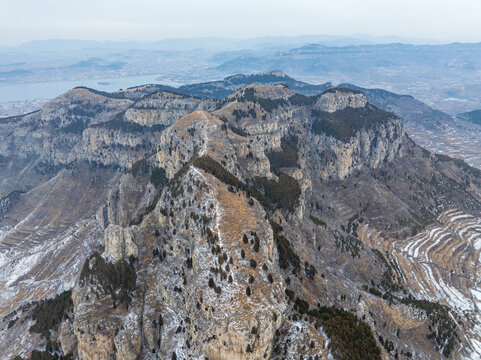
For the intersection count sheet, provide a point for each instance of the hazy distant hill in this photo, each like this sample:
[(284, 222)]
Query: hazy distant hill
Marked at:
[(316, 58), (446, 76), (222, 88), (405, 106), (472, 116)]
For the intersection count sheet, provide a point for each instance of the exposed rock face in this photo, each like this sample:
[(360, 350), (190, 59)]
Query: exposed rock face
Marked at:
[(369, 148), (119, 243), (222, 312), (81, 103), (103, 335), (215, 262), (53, 232), (161, 109), (67, 338), (119, 208), (85, 126), (206, 275), (182, 295), (338, 99)]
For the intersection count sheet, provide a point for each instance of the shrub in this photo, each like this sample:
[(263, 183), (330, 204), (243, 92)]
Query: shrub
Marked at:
[(158, 177), (287, 157), (211, 166), (77, 126), (343, 124), (443, 326), (302, 100), (140, 167), (111, 277), (351, 338), (119, 123), (238, 130), (290, 294), (49, 313), (302, 306), (267, 104), (375, 292), (283, 193), (317, 221), (287, 256), (143, 167)]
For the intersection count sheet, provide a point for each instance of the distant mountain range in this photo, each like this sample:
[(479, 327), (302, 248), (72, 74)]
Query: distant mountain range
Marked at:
[(223, 43), (315, 58), (472, 116), (444, 76)]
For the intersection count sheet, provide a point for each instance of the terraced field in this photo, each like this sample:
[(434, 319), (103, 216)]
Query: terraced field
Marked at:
[(441, 264), (459, 139), (43, 236)]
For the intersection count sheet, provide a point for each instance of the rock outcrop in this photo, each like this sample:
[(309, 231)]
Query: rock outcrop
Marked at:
[(119, 243), (340, 98), (162, 109), (368, 148)]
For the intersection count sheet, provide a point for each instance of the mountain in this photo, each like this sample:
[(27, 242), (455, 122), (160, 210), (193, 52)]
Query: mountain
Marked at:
[(443, 76), (152, 224), (220, 43), (472, 116), (222, 88), (313, 58), (430, 128), (440, 75), (409, 109)]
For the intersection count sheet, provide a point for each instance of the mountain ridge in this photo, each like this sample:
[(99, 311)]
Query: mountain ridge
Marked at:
[(253, 226)]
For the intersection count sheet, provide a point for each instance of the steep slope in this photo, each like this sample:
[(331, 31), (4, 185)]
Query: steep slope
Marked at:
[(434, 130), (267, 224)]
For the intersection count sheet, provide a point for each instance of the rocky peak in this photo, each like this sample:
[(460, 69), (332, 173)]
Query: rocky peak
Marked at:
[(162, 108), (83, 104), (274, 92), (278, 73), (119, 243), (339, 98)]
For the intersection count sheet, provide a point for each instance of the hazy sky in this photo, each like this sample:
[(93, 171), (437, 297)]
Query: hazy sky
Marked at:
[(447, 20)]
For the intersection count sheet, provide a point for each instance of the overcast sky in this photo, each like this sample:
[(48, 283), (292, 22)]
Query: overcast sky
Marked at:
[(146, 20)]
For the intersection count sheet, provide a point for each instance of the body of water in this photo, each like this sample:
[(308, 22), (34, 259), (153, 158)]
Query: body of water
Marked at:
[(50, 90)]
